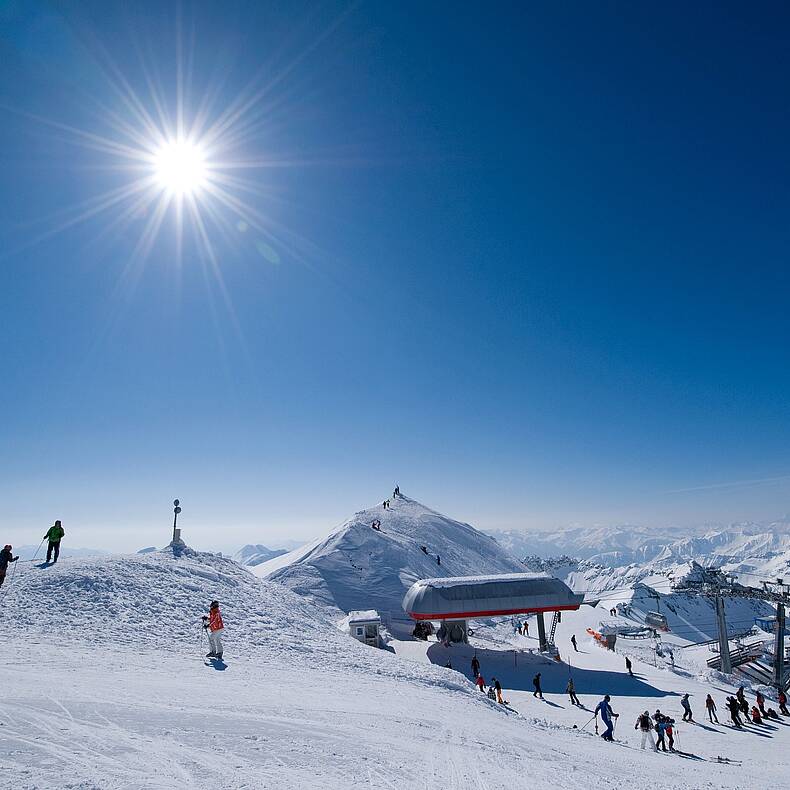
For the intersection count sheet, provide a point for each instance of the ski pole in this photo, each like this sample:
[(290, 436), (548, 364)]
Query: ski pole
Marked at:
[(39, 547), (589, 720)]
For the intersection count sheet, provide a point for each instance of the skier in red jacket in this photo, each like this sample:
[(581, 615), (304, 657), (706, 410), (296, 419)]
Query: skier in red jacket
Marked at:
[(213, 622)]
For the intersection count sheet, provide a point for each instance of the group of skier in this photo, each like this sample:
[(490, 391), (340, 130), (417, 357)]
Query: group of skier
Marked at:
[(738, 706), (53, 535), (664, 729), (494, 688)]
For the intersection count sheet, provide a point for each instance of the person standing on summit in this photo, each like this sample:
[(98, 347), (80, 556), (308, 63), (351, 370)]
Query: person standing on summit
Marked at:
[(213, 623), (54, 535)]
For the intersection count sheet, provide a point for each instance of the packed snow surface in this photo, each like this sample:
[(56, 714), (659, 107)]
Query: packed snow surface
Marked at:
[(105, 687)]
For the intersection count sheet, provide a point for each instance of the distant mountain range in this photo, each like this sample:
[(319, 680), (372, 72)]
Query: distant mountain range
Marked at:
[(256, 553)]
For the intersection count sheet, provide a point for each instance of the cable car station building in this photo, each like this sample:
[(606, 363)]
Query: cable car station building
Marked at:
[(454, 600)]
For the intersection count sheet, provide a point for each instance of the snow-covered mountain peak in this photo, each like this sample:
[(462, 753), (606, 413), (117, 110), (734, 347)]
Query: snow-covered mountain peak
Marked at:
[(371, 559)]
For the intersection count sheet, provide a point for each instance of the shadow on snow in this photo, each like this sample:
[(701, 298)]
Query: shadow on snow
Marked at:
[(515, 671)]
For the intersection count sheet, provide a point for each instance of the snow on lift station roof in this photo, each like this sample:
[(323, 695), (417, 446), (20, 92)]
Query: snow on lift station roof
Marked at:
[(463, 597), (364, 616)]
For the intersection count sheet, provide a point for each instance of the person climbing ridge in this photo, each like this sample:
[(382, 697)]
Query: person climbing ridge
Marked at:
[(480, 682), (710, 706), (570, 690), (214, 625), (54, 535), (644, 724), (475, 666), (628, 666), (498, 688), (6, 556), (607, 716), (396, 492), (536, 683)]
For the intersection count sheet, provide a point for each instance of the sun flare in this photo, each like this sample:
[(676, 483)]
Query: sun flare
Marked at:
[(180, 167)]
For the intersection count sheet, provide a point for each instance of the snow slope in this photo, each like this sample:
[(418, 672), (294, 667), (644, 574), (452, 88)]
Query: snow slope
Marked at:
[(104, 688), (357, 567)]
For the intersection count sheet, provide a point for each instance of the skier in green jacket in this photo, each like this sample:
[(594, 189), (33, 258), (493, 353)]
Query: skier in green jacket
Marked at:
[(54, 535)]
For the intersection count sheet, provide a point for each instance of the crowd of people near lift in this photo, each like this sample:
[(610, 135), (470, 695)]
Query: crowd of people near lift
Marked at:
[(657, 729)]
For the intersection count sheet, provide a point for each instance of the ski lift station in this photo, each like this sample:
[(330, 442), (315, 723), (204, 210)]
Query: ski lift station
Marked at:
[(454, 600), (365, 626)]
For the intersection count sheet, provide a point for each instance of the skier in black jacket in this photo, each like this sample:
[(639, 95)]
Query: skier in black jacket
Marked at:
[(6, 556), (536, 683)]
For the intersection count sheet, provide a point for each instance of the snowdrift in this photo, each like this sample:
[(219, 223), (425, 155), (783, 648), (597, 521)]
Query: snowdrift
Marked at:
[(357, 567)]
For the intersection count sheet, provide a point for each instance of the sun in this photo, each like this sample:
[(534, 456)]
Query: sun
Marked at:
[(180, 167)]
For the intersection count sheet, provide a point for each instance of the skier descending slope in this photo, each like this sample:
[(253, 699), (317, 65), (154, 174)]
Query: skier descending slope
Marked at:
[(710, 705), (215, 627), (6, 556), (686, 705), (607, 716), (54, 535), (570, 690)]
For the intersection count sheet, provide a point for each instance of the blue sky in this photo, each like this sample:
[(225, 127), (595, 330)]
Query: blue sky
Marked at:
[(529, 262)]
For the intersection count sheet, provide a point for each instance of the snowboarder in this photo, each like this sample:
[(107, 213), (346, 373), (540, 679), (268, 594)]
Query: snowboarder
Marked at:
[(756, 717), (628, 666), (783, 704), (573, 642), (536, 683), (771, 714), (761, 703), (376, 525), (686, 705), (710, 706), (6, 556), (498, 688), (644, 724), (424, 549), (479, 682), (570, 690), (475, 666), (607, 716), (54, 535), (214, 625), (735, 710)]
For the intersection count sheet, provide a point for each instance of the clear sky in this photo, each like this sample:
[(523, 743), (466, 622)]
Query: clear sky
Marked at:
[(529, 261)]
